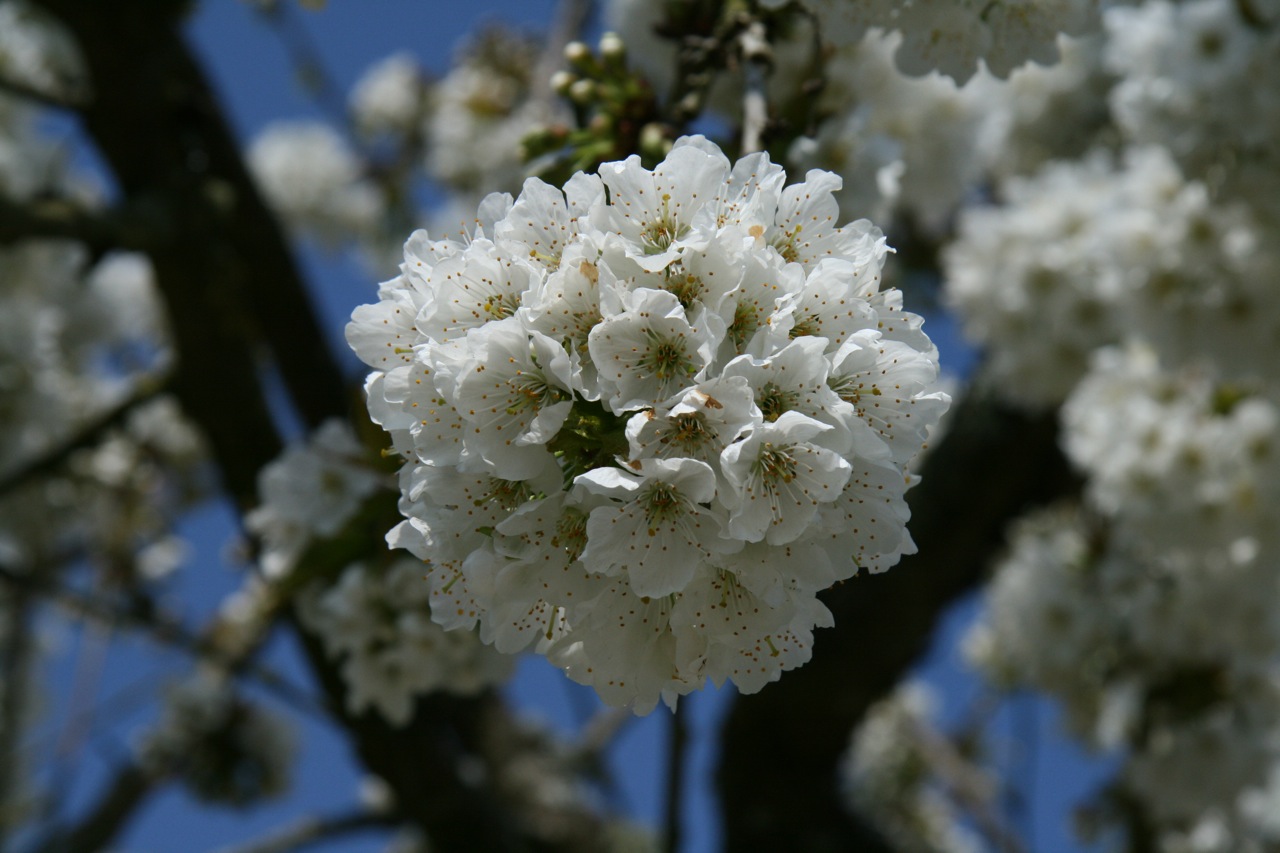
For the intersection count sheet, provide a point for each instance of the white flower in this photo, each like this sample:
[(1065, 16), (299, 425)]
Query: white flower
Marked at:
[(778, 478), (514, 390), (952, 36), (378, 619), (656, 530), (472, 288), (648, 351), (654, 211), (698, 423)]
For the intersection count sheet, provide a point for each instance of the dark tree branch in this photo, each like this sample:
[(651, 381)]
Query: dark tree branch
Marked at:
[(121, 798), (15, 665), (781, 748), (89, 435), (65, 219), (442, 770), (27, 92)]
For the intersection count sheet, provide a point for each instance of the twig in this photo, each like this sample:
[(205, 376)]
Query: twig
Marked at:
[(169, 633), (679, 736), (309, 831), (600, 730), (1252, 17), (966, 786), (756, 59), (310, 66)]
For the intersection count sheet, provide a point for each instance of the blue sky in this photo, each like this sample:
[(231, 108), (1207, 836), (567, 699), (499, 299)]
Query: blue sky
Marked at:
[(251, 70)]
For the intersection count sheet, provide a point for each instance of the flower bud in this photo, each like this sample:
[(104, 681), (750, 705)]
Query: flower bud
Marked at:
[(582, 92), (561, 81), (612, 49), (578, 54)]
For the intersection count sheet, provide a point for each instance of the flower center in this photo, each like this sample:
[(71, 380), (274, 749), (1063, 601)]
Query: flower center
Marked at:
[(687, 434), (746, 320), (499, 306), (686, 287), (663, 503), (658, 235), (571, 533), (667, 358), (774, 464), (774, 401), (506, 494), (532, 392)]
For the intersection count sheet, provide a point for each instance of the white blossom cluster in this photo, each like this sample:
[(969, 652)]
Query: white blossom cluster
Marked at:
[(75, 335), (309, 492), (378, 620), (1090, 253), (77, 342), (644, 429), (1150, 612), (909, 146), (480, 112), (919, 148), (900, 143), (315, 180), (37, 51), (223, 748), (955, 37), (890, 775), (1136, 287), (1167, 658), (1192, 79), (390, 96), (1182, 458)]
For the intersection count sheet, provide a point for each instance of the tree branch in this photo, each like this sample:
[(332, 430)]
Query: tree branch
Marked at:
[(15, 662), (966, 786), (65, 219), (226, 271), (310, 831), (120, 800), (756, 58), (171, 633), (89, 435), (27, 92)]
